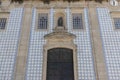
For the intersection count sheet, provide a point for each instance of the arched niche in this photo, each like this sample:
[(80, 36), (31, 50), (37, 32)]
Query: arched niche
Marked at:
[(57, 16)]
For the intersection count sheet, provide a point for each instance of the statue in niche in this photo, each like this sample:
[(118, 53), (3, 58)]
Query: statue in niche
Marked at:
[(60, 21)]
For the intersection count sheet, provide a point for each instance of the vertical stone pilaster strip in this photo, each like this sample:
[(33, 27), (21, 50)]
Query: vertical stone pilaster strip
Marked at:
[(23, 44), (99, 61)]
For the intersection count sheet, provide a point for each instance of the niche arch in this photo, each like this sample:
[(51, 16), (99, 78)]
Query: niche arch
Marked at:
[(57, 15)]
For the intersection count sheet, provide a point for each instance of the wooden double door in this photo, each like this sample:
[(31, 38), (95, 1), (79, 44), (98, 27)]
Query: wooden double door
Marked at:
[(60, 64)]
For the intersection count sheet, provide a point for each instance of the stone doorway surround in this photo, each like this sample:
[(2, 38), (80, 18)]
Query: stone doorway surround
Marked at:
[(59, 38)]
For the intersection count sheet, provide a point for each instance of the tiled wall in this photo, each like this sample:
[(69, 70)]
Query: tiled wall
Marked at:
[(9, 44), (111, 43), (84, 51), (35, 55)]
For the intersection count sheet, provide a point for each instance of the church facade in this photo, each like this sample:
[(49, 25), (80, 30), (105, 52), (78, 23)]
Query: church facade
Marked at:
[(60, 40)]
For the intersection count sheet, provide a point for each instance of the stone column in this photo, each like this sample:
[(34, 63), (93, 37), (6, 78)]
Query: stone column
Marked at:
[(23, 43), (99, 61)]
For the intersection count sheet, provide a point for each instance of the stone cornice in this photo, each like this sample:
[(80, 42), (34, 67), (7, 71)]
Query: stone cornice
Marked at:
[(48, 1), (60, 34)]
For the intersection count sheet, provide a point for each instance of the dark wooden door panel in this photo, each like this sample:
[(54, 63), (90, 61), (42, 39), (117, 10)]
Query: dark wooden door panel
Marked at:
[(60, 64)]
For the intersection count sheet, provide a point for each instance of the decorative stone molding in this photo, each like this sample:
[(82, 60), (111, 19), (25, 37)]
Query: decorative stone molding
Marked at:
[(59, 13), (59, 38)]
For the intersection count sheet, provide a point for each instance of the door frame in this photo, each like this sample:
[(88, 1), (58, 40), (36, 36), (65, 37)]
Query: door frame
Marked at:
[(45, 52)]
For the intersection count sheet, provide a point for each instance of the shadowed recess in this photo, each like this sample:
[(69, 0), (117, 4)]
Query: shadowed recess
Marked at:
[(48, 1)]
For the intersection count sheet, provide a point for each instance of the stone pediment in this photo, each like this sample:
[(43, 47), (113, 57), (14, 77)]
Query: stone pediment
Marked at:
[(59, 35), (60, 38)]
